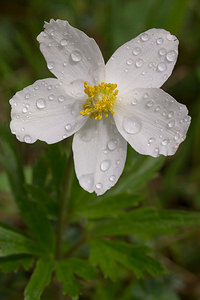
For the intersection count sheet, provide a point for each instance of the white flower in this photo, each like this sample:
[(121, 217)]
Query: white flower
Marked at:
[(105, 106)]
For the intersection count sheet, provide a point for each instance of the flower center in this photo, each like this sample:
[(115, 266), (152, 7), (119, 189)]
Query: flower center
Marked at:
[(101, 100)]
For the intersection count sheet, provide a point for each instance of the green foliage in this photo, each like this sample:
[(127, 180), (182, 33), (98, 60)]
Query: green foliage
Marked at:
[(15, 262), (39, 280), (107, 253)]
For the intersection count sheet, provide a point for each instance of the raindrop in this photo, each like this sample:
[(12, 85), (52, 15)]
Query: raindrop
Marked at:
[(112, 178), (44, 34), (144, 37), (157, 108), (149, 104), (63, 42), (118, 162), (50, 65), (49, 87), (76, 56), (171, 124), (150, 65), (61, 98), (132, 125), (24, 110), (41, 103), (136, 51), (170, 114), (23, 129), (112, 144), (171, 56), (165, 142), (139, 62), (134, 101), (87, 181), (65, 64), (27, 139), (162, 51), (146, 95), (99, 186), (129, 62), (151, 140), (105, 165), (68, 126), (27, 96), (171, 37), (162, 67), (51, 97), (159, 41)]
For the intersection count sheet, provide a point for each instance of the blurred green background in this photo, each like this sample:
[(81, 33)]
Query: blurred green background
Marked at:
[(112, 23)]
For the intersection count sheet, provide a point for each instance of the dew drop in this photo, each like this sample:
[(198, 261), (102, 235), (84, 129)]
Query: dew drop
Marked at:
[(118, 162), (112, 144), (51, 97), (99, 186), (105, 165), (165, 142), (129, 62), (144, 37), (157, 109), (134, 101), (87, 181), (136, 51), (50, 65), (65, 64), (171, 124), (146, 95), (112, 178), (24, 110), (170, 114), (149, 104), (162, 67), (150, 65), (76, 56), (68, 127), (132, 125), (139, 63), (151, 140), (27, 96), (27, 139), (41, 103), (63, 42), (162, 51), (171, 37), (159, 41), (61, 98), (171, 56)]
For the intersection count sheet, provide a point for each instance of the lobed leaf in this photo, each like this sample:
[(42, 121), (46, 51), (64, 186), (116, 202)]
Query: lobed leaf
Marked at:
[(14, 262)]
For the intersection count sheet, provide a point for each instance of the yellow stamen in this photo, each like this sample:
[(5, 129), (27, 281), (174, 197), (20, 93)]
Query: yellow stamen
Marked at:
[(101, 100)]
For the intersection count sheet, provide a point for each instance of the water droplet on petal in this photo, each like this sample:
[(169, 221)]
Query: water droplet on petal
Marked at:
[(61, 98), (149, 104), (105, 165), (159, 41), (157, 109), (170, 114), (24, 110), (146, 95), (76, 56), (162, 67), (162, 51), (171, 56), (63, 42), (165, 142), (50, 65), (171, 37), (134, 101), (99, 186), (144, 37), (41, 103), (27, 139), (112, 178), (51, 97), (136, 51), (132, 125), (171, 124), (27, 96), (129, 62), (118, 162), (139, 63), (87, 181), (112, 144), (68, 127)]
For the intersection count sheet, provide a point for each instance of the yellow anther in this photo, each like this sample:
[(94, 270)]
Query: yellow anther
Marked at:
[(101, 100)]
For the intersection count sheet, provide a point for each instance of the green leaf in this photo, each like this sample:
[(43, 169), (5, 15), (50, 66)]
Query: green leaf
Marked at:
[(132, 257), (148, 220), (108, 206), (12, 242), (65, 271), (39, 280), (14, 262), (40, 171)]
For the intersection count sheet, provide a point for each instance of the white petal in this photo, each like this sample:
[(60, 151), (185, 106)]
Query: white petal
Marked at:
[(44, 111), (70, 53), (99, 155), (152, 121), (144, 62)]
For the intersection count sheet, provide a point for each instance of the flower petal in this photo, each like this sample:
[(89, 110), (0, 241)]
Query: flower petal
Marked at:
[(44, 111), (152, 121), (144, 62), (99, 155), (70, 53)]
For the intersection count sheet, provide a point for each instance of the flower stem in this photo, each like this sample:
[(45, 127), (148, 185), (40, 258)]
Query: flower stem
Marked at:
[(64, 199)]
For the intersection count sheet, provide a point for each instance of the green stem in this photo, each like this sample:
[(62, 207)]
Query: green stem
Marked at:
[(64, 199)]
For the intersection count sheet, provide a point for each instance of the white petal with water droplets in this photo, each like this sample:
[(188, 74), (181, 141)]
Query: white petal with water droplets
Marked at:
[(144, 62), (152, 121), (70, 53), (46, 112), (99, 155)]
